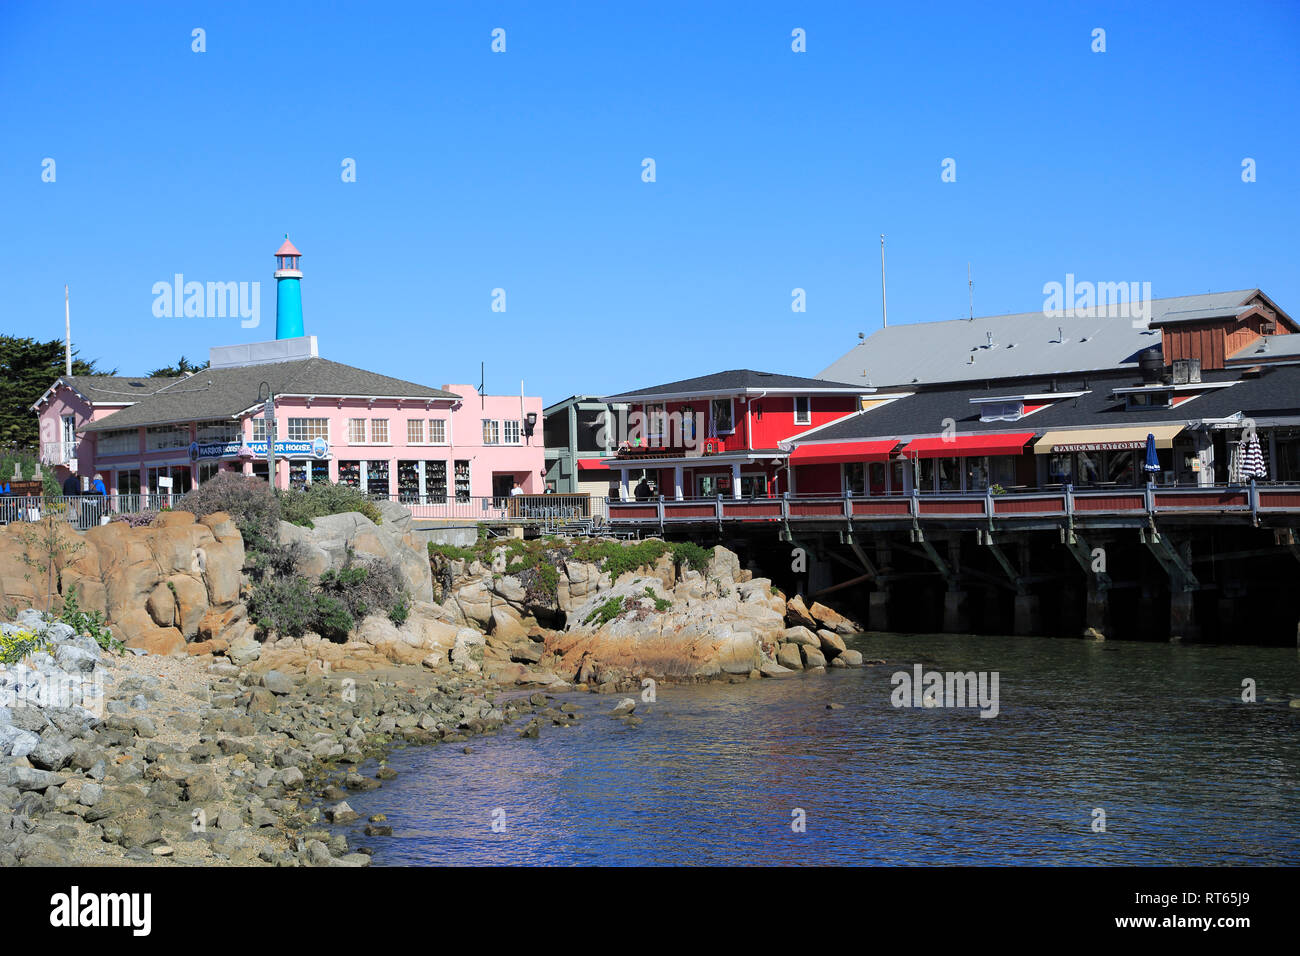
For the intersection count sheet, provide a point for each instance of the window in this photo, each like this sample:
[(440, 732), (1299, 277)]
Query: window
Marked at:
[(688, 426), (128, 482), (437, 431), (259, 429), (379, 431), (308, 429), (491, 432), (1149, 399), (356, 431), (977, 473), (167, 436), (655, 421), (415, 431), (218, 431), (803, 410), (511, 431), (855, 472), (723, 423), (123, 441), (206, 471)]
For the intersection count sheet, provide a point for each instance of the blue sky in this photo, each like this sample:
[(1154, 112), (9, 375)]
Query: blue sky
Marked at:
[(522, 171)]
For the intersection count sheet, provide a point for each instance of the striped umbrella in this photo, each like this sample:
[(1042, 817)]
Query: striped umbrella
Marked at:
[(1252, 460)]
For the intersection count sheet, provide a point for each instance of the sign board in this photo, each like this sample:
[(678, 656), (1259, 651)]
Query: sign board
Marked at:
[(315, 448), (1100, 446), (164, 481)]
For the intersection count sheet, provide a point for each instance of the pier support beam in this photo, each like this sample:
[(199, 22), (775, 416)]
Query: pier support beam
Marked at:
[(878, 609), (1028, 615), (956, 612), (1182, 617), (1097, 610)]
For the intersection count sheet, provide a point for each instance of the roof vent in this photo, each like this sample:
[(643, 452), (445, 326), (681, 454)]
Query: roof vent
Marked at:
[(989, 337)]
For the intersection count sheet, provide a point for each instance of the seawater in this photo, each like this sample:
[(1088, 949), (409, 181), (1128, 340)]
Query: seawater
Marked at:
[(1155, 736)]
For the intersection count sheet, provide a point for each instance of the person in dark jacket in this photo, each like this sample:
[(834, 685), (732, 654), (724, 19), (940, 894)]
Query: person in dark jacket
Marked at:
[(71, 487), (642, 490)]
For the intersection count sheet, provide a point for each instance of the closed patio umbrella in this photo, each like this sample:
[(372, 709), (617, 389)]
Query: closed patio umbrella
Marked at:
[(1152, 466), (1252, 460)]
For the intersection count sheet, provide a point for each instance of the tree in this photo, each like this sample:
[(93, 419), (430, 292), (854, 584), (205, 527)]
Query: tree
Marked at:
[(27, 369), (183, 367)]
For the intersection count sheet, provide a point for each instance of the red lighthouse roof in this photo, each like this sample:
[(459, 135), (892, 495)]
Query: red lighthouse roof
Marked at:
[(287, 249)]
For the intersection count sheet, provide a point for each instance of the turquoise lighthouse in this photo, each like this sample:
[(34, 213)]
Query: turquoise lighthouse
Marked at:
[(288, 292)]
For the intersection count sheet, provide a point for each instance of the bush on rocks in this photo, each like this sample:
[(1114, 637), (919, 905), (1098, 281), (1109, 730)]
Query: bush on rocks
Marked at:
[(250, 501), (321, 498), (288, 603)]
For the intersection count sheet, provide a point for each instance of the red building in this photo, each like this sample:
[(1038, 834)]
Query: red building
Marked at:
[(720, 434)]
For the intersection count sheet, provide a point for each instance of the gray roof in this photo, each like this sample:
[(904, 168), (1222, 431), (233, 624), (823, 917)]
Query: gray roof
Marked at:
[(1024, 344), (117, 389), (226, 392), (737, 381), (1268, 348), (1274, 392)]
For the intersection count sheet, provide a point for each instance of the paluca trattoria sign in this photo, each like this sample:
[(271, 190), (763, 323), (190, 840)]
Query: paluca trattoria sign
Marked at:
[(1126, 445), (205, 451)]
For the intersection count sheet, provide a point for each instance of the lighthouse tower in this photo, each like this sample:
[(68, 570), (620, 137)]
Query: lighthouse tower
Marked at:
[(288, 292)]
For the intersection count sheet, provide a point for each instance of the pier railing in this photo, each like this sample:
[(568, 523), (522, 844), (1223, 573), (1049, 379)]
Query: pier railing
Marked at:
[(1249, 501)]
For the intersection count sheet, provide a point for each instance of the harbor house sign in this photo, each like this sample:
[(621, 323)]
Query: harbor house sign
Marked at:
[(204, 451)]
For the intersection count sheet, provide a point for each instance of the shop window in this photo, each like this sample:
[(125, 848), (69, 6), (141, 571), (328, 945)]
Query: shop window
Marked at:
[(723, 420)]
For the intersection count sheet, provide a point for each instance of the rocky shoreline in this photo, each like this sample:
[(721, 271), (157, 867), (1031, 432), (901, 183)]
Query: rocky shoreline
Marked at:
[(210, 742)]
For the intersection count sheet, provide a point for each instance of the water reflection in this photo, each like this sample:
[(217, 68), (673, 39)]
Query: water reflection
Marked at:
[(1155, 735)]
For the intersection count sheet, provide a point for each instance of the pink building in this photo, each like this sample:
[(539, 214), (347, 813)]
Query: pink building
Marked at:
[(333, 422)]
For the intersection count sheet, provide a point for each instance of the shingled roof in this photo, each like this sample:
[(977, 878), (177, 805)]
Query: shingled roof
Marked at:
[(1019, 345), (738, 381), (227, 392), (1270, 394), (110, 389)]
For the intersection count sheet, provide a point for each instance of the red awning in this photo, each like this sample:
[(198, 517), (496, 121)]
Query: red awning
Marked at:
[(956, 446), (592, 464), (843, 451)]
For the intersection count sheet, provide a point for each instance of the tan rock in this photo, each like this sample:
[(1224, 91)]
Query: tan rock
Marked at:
[(831, 643), (832, 620), (796, 614)]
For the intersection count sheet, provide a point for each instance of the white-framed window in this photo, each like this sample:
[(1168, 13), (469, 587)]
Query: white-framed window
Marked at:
[(69, 429), (724, 421), (802, 410), (655, 424), (510, 427), (491, 432), (438, 431), (218, 431), (121, 441), (379, 431), (308, 429), (356, 431), (415, 431), (166, 436)]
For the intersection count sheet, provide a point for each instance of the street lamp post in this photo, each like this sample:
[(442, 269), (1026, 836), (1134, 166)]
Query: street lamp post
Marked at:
[(268, 413)]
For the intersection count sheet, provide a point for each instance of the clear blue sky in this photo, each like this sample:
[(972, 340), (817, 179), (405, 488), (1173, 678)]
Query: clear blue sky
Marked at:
[(522, 170)]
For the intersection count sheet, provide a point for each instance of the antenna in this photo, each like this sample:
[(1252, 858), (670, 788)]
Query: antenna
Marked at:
[(971, 287), (482, 384), (67, 334), (884, 308)]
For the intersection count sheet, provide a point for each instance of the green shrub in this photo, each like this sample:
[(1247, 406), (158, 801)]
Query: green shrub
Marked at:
[(285, 605), (367, 586), (660, 604), (321, 498), (605, 612), (93, 623), (332, 620)]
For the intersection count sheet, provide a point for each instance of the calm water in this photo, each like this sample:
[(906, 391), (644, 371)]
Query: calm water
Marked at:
[(1155, 735)]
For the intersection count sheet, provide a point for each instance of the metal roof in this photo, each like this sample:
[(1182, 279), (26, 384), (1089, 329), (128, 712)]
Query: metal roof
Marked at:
[(226, 392), (1024, 344), (736, 382)]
